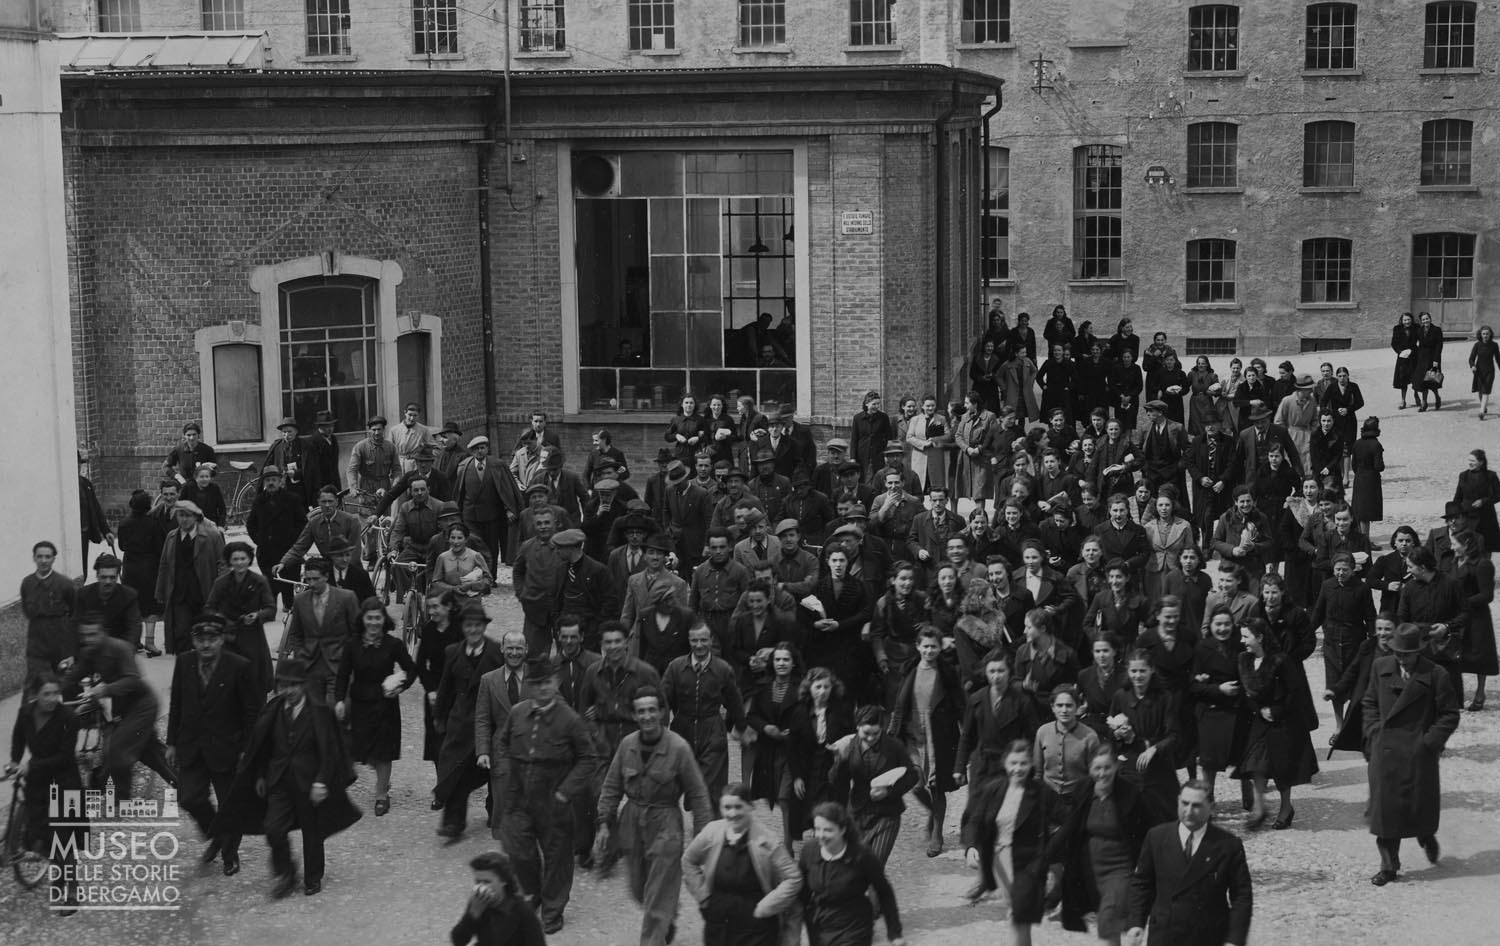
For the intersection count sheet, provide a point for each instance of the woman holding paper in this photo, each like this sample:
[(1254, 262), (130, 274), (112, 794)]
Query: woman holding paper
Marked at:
[(375, 671), (459, 567)]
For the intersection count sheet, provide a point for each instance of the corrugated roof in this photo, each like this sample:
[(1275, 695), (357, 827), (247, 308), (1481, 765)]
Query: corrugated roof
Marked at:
[(207, 50)]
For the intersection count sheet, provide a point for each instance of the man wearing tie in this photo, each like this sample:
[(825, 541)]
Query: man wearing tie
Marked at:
[(689, 509), (323, 618), (629, 558), (499, 691), (346, 572), (1165, 449), (584, 587), (488, 499), (1192, 880)]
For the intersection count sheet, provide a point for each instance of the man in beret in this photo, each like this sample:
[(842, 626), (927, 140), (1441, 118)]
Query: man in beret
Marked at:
[(191, 558), (373, 468), (584, 586), (277, 517), (214, 704), (489, 501), (424, 466), (286, 456), (769, 486), (409, 435), (188, 455)]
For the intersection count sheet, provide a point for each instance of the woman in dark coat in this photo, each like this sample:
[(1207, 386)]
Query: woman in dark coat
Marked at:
[(1221, 721), (1474, 571), (1100, 681), (1404, 339), (1124, 340), (1367, 459), (1344, 398), (1326, 452), (1202, 406), (1059, 328), (1099, 846), (1058, 377), (1389, 573), (719, 433), (687, 432), (1350, 687), (1118, 610), (1008, 837), (1125, 385), (1163, 380), (1172, 644), (369, 696), (769, 708), (244, 599), (1478, 490), (141, 537), (984, 374), (439, 632), (1483, 359), (925, 716), (1278, 744), (832, 634), (822, 715), (839, 875), (1427, 353), (1144, 723)]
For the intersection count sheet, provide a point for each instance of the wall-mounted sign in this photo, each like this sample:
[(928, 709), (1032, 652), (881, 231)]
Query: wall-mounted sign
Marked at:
[(857, 222)]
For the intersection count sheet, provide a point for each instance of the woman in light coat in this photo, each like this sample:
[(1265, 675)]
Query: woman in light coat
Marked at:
[(762, 912), (928, 436), (971, 473), (1168, 534)]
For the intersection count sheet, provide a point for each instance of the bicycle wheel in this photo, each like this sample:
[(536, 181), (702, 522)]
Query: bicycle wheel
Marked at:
[(239, 510), (411, 620), (26, 854), (380, 578)]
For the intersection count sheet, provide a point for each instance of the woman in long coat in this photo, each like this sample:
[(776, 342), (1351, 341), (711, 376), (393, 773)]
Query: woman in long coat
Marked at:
[(1367, 459), (1477, 491), (1404, 339), (141, 537), (1427, 354), (1220, 719), (1008, 836), (984, 374), (371, 710), (769, 708), (1474, 571), (1344, 398), (1018, 376), (929, 435), (821, 717), (1483, 358), (1278, 745), (1149, 735), (440, 631), (971, 469), (832, 635), (1202, 406), (244, 599)]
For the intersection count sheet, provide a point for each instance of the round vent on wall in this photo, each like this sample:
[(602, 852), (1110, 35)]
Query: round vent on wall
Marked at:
[(593, 175)]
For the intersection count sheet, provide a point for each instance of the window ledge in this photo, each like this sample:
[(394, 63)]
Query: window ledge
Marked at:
[(1215, 73), (1353, 189), (887, 48), (1007, 283), (1213, 190), (349, 58), (1097, 44), (1328, 305), (971, 47), (604, 417), (1098, 284), (1447, 188), (1213, 307), (656, 52), (544, 54), (434, 57), (1332, 73), (761, 50), (1455, 71)]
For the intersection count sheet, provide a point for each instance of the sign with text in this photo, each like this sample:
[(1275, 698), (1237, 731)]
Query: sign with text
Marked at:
[(857, 222)]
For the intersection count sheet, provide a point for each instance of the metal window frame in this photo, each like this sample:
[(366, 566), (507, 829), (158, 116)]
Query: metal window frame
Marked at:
[(543, 26), (994, 217), (1448, 35), (1321, 164), (223, 14), (1454, 255), (369, 339), (984, 21), (1447, 152), (1213, 154), (762, 23), (871, 23), (434, 27), (1332, 36), (1327, 262), (646, 19), (327, 27), (1213, 38), (119, 16), (1098, 218), (1212, 270), (1210, 345)]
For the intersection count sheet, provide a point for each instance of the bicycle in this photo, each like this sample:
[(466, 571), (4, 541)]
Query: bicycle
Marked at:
[(246, 487), (26, 853), (414, 607)]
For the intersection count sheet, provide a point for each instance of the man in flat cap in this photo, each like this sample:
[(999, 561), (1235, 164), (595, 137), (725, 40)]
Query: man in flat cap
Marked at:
[(812, 508), (410, 434), (769, 486), (584, 587), (489, 500), (1165, 450), (373, 468), (424, 466), (599, 517), (286, 456), (537, 577), (277, 517), (826, 475), (191, 558)]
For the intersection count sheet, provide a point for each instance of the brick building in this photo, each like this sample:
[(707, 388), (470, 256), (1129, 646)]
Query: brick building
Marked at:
[(253, 245)]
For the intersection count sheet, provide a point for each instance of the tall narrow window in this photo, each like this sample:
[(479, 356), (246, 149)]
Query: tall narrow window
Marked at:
[(984, 21), (1448, 41), (1210, 271), (236, 381), (653, 24), (223, 14), (870, 23), (995, 221), (762, 23), (1213, 154), (1213, 38), (434, 27), (327, 345), (1327, 265), (543, 26), (1331, 35), (1097, 203), (1447, 150), (328, 28), (1328, 154), (119, 16)]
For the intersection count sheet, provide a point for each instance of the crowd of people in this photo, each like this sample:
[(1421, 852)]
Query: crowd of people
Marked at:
[(1013, 594)]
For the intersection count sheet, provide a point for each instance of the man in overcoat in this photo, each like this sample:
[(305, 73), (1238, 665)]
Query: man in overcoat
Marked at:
[(191, 558), (459, 773)]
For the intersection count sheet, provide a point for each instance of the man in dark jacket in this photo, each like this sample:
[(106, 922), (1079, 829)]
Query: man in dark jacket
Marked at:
[(1191, 881), (320, 457), (1435, 602), (117, 605), (489, 499), (791, 443), (277, 518)]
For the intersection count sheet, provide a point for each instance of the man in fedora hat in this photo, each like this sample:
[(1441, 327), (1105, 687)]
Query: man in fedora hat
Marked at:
[(1298, 413), (464, 666), (286, 455), (626, 544), (688, 512), (277, 517), (424, 467), (323, 619), (489, 500), (769, 486), (655, 549), (293, 776), (550, 761), (895, 459), (791, 443), (189, 454), (1255, 442), (1410, 708), (566, 489), (450, 450), (348, 572), (191, 558), (655, 490), (410, 434), (320, 457), (214, 703), (1456, 520)]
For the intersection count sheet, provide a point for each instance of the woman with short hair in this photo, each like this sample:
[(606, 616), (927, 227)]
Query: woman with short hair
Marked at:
[(839, 875), (1008, 830), (244, 599), (1101, 843), (375, 671), (1278, 745), (743, 878)]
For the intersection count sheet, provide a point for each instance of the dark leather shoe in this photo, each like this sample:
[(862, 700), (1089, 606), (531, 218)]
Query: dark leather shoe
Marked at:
[(450, 833), (1431, 848), (312, 888), (231, 864), (284, 885), (1284, 821), (552, 926), (437, 805), (211, 852), (1383, 877), (382, 805)]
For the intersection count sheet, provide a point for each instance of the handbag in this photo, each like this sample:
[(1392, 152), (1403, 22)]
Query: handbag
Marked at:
[(1448, 649), (1434, 377)]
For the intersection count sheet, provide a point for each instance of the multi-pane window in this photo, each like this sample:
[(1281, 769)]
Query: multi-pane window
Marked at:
[(434, 27), (984, 21), (1213, 38), (1097, 204), (653, 24), (1210, 270), (543, 26), (1213, 154), (223, 14), (327, 347), (1448, 41), (328, 28), (1330, 35), (1327, 265), (1447, 151), (119, 16), (995, 219), (870, 23), (762, 23), (1328, 154), (1442, 270)]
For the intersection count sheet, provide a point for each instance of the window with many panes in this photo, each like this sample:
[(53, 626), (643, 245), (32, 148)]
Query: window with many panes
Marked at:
[(1448, 40), (543, 26), (984, 21), (1097, 204), (762, 23), (1327, 267), (1213, 38), (686, 277), (223, 14), (328, 28), (994, 222), (1210, 271), (1331, 35), (434, 27), (1442, 271), (1213, 154), (327, 348), (870, 23), (1447, 151), (119, 16), (1328, 154), (653, 24)]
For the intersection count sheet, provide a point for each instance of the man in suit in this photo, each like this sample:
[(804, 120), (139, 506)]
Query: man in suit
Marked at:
[(791, 443), (537, 433), (424, 468), (277, 517), (500, 690), (117, 605), (1212, 468), (213, 709), (464, 666), (323, 619), (564, 487), (1164, 450), (1191, 880), (450, 452), (323, 525), (191, 558), (286, 456), (584, 588), (930, 529), (689, 509), (320, 457), (347, 571), (630, 558), (1256, 440), (489, 499), (656, 484), (1440, 540), (639, 598)]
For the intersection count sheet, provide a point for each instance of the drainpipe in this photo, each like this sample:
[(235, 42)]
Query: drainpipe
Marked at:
[(984, 254), (486, 152), (942, 244)]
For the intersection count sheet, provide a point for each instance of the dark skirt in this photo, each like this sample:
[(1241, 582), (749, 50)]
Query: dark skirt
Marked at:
[(375, 730), (1478, 652), (139, 573), (1402, 376), (1221, 733), (1369, 499), (1278, 751)]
